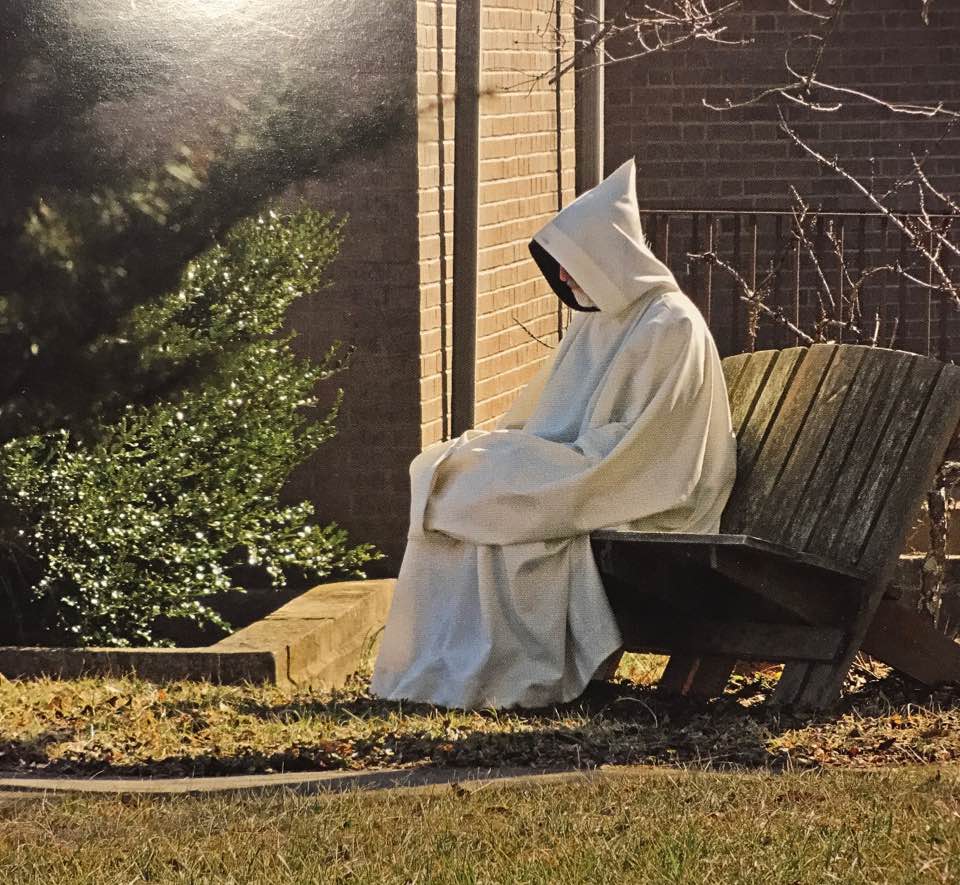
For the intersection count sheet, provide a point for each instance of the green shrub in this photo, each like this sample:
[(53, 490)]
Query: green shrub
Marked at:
[(151, 509)]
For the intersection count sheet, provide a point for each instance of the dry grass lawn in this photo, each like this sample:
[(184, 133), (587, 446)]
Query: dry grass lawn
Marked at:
[(801, 828), (735, 791)]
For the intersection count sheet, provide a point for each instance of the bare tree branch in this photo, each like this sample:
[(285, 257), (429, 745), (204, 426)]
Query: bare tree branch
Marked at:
[(915, 241), (749, 295), (654, 29)]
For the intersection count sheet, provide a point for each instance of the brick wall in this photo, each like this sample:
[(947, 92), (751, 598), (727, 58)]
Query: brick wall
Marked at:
[(691, 157), (526, 158), (519, 161), (360, 477), (392, 287)]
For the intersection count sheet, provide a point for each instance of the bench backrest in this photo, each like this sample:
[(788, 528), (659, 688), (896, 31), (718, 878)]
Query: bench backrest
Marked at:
[(837, 445)]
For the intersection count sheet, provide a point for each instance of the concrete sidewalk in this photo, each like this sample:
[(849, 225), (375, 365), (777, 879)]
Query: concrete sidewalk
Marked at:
[(429, 780)]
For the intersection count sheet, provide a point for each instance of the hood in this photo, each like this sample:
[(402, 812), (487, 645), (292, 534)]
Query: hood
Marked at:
[(598, 241)]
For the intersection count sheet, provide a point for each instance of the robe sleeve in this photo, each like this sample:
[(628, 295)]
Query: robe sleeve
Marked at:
[(509, 486), (598, 442)]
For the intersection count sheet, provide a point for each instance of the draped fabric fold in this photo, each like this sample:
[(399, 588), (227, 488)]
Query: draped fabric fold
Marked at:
[(498, 601)]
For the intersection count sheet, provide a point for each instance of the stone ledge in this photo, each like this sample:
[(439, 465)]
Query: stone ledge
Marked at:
[(314, 641), (322, 636), (154, 664)]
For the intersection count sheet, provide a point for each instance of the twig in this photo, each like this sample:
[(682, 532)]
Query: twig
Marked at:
[(534, 336), (655, 30), (749, 296), (893, 332)]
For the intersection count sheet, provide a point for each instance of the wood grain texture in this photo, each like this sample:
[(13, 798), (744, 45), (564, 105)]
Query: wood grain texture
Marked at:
[(813, 595), (822, 685), (711, 676), (784, 431), (821, 688), (750, 381), (868, 400), (831, 406), (885, 461), (829, 524), (770, 430), (933, 433), (740, 640), (732, 368), (696, 676), (754, 428), (678, 674), (790, 683), (609, 544)]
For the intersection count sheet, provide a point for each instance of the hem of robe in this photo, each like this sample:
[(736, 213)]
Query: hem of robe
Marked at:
[(565, 697), (509, 662)]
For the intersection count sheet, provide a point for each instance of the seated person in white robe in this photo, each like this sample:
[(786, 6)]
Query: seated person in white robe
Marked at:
[(499, 602)]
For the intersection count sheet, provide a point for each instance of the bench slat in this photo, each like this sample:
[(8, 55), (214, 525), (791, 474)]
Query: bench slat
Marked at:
[(753, 430), (870, 398), (831, 407), (844, 495), (752, 415), (749, 383), (732, 369), (751, 491), (915, 474), (882, 466)]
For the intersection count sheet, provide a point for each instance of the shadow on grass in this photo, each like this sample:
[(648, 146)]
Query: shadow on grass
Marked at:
[(25, 752), (611, 724)]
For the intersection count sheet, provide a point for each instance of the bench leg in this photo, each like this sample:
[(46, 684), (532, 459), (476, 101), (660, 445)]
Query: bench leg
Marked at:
[(810, 686), (791, 681), (816, 686), (909, 642), (701, 677)]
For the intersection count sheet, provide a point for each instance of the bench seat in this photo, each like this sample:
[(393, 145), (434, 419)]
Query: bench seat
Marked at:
[(836, 447)]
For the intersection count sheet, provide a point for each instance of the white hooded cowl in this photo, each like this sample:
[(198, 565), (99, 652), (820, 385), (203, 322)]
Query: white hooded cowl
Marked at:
[(499, 602)]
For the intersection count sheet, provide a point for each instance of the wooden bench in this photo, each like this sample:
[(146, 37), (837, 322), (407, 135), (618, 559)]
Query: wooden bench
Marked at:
[(837, 445)]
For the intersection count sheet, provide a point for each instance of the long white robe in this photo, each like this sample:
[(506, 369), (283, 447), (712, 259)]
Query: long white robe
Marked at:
[(498, 602)]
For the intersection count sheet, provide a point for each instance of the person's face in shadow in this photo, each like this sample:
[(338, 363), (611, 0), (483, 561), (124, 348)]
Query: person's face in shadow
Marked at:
[(578, 293)]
